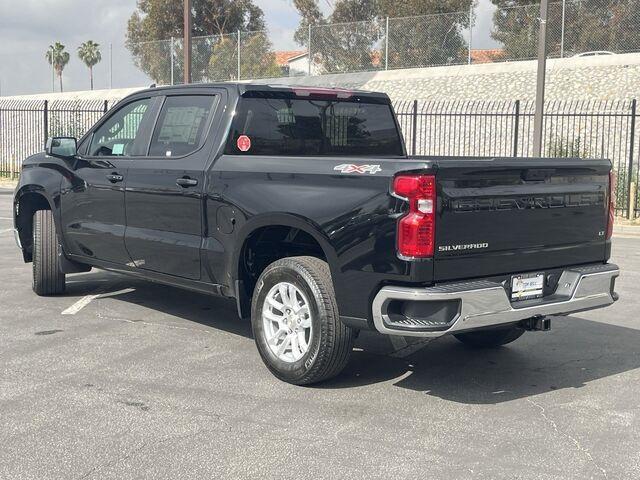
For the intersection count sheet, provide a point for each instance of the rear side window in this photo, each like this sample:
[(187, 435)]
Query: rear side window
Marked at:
[(308, 127), (181, 125)]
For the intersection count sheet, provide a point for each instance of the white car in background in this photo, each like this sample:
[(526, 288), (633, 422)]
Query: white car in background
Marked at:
[(594, 53)]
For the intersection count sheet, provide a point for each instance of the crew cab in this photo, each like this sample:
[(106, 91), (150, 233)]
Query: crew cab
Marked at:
[(303, 205)]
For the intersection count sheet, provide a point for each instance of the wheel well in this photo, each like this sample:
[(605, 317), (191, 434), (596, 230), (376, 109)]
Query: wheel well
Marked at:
[(268, 244), (28, 204)]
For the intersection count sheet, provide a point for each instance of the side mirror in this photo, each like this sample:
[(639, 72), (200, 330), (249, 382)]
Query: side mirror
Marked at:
[(63, 147)]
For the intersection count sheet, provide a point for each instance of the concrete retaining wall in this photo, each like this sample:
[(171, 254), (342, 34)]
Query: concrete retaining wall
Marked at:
[(586, 78)]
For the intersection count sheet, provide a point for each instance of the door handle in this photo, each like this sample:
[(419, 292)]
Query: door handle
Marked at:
[(186, 182), (115, 178)]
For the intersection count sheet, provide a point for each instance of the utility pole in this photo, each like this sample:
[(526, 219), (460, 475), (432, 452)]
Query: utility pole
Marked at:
[(542, 70), (187, 41)]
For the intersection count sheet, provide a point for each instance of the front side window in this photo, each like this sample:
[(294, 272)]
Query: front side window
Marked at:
[(117, 136), (308, 127), (181, 125)]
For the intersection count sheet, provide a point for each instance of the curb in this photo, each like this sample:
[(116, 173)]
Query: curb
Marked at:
[(626, 231)]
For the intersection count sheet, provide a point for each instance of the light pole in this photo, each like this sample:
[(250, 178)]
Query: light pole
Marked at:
[(542, 67), (187, 41)]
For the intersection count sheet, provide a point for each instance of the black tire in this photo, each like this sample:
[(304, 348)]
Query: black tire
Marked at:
[(490, 338), (47, 276), (331, 341)]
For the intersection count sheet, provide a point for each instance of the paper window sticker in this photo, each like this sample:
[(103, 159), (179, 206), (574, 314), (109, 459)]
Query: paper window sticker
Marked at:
[(118, 149)]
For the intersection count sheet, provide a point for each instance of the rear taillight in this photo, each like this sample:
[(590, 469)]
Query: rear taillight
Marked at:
[(416, 229), (612, 203)]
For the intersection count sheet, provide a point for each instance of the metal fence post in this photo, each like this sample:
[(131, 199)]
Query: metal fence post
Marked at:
[(516, 128), (564, 9), (386, 45), (172, 53), (414, 138), (470, 31), (238, 33), (106, 106), (309, 51), (631, 203), (45, 128)]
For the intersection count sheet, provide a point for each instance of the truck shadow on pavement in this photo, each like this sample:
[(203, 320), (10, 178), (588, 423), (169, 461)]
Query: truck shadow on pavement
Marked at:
[(575, 352)]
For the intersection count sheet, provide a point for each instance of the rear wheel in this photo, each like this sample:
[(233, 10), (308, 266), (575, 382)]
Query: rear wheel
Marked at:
[(295, 322), (490, 338), (48, 278)]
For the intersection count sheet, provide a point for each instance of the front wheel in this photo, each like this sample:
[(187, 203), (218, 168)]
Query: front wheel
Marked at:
[(295, 322), (490, 338), (48, 278)]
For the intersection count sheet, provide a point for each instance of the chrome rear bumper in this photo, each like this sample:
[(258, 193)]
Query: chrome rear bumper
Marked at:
[(483, 303)]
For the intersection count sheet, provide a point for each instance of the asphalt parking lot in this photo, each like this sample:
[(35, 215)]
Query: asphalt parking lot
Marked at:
[(145, 381)]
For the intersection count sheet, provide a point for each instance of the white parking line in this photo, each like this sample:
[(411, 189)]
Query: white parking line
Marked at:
[(6, 218), (87, 299), (80, 304), (6, 230)]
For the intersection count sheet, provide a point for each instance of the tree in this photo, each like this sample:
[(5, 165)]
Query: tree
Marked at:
[(159, 20), (352, 37), (58, 59), (589, 25), (89, 53), (257, 60)]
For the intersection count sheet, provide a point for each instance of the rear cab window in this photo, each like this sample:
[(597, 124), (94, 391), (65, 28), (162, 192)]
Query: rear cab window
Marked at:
[(285, 123)]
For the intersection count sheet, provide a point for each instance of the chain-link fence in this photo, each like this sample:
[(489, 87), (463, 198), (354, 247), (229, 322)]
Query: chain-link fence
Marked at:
[(575, 27), (231, 56), (479, 35)]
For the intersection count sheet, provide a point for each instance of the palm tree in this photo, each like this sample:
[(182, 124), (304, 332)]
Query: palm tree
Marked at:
[(89, 53), (57, 58)]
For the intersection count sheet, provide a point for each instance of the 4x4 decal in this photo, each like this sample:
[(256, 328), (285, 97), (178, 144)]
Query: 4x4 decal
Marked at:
[(351, 168)]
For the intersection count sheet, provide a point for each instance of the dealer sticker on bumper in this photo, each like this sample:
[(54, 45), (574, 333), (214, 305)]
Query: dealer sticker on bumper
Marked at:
[(527, 286)]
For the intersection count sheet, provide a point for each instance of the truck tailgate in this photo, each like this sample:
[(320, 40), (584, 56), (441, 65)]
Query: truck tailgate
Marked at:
[(508, 215)]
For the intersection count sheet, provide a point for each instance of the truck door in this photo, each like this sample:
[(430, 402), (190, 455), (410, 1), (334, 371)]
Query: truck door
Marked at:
[(92, 194), (164, 190)]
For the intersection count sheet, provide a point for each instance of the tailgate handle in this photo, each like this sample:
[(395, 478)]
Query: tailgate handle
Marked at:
[(537, 174)]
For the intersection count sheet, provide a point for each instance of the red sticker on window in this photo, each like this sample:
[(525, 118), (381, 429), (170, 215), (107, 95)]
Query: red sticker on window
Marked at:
[(243, 143)]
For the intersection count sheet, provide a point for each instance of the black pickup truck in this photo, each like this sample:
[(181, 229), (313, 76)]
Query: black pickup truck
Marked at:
[(303, 205)]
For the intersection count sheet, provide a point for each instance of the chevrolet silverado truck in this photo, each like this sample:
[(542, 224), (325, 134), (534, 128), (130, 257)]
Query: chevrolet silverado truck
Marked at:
[(303, 205)]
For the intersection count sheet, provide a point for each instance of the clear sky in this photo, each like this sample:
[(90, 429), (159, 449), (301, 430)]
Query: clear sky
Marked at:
[(27, 27)]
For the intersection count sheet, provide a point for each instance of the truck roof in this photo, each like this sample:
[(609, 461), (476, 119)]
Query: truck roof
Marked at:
[(302, 90)]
